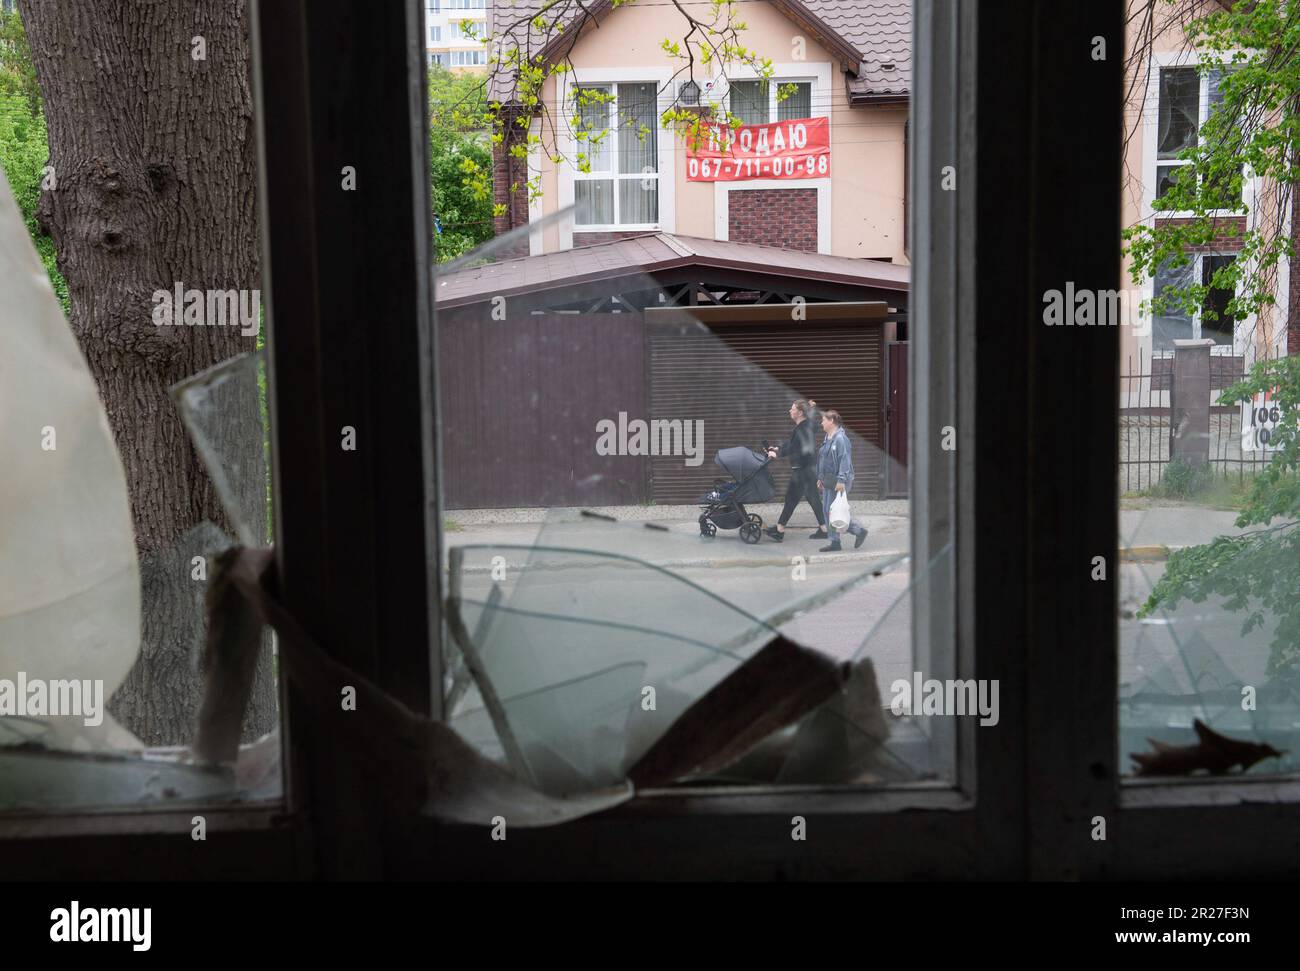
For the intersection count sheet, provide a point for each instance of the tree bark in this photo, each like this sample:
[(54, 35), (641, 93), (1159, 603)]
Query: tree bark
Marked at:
[(154, 158)]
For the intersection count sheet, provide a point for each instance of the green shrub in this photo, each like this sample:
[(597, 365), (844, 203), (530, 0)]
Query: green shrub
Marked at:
[(1184, 480)]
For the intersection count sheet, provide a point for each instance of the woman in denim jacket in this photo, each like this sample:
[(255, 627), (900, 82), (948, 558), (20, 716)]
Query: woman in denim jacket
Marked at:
[(835, 475)]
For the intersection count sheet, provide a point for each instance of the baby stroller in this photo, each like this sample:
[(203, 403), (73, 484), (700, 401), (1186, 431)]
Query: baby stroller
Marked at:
[(724, 507)]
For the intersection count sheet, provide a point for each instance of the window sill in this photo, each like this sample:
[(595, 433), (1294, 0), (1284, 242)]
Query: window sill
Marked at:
[(640, 228), (1174, 793), (794, 800), (145, 820), (1187, 214)]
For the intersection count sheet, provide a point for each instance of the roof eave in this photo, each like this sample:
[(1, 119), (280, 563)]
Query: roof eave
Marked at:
[(661, 266), (882, 100)]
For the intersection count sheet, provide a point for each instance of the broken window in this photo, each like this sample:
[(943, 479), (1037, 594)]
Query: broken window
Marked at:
[(1216, 323), (1188, 97), (616, 456), (113, 516), (1207, 684), (1171, 321), (1179, 111)]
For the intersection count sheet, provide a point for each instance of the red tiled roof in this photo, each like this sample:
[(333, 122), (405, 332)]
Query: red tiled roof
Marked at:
[(651, 253)]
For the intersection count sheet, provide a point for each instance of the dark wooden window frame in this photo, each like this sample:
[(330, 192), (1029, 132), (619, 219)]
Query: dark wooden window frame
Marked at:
[(1029, 496)]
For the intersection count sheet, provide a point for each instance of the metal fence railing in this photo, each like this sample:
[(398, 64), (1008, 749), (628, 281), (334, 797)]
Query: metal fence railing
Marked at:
[(1144, 423)]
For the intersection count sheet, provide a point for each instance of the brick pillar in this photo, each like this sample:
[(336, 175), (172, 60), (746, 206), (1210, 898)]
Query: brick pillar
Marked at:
[(1293, 285), (1189, 402), (510, 173)]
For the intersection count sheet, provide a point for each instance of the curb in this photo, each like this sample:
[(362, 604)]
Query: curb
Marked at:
[(692, 563), (1147, 554), (684, 512)]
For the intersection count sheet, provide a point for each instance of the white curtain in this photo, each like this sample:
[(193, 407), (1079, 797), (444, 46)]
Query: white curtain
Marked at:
[(638, 153)]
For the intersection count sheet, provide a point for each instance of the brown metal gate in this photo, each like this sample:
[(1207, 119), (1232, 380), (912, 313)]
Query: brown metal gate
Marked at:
[(520, 400), (740, 380), (896, 419)]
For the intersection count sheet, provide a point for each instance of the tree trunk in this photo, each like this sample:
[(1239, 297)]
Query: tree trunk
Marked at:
[(154, 158)]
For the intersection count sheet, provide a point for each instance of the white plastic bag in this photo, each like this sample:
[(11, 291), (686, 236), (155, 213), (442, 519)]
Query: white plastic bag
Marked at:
[(840, 514)]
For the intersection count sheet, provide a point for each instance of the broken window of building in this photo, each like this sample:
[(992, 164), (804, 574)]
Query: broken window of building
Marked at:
[(101, 627)]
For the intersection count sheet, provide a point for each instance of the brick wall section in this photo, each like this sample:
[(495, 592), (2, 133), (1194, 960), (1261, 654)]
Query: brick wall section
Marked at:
[(1225, 241), (1293, 296), (773, 217), (508, 172)]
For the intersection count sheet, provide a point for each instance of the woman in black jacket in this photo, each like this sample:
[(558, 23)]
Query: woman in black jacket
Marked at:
[(802, 452)]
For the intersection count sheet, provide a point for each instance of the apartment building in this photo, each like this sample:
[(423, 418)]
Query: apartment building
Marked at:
[(447, 42)]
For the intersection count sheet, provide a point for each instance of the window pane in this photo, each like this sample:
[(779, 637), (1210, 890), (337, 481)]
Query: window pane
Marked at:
[(624, 498), (1166, 176), (638, 126), (1180, 97), (156, 455), (1220, 329), (594, 115), (798, 104), (1208, 558), (1213, 79), (1172, 323), (638, 201), (594, 199), (749, 102)]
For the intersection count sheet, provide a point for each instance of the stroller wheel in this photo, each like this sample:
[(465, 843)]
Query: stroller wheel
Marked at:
[(707, 529), (756, 519), (751, 532)]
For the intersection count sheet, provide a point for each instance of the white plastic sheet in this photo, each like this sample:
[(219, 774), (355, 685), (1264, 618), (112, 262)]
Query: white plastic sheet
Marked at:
[(69, 582)]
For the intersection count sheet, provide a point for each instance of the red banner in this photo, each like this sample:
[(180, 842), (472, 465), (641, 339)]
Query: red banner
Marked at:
[(797, 149)]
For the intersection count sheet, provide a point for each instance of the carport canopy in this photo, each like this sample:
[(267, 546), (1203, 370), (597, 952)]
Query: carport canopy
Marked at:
[(685, 271)]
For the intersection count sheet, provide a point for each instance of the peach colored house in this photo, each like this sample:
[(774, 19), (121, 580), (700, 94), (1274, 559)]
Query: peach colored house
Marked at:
[(1168, 100), (849, 63)]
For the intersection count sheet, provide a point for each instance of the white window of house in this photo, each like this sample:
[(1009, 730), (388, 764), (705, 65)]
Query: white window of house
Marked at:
[(435, 34), (439, 58), (759, 102), (622, 187), (1187, 97), (466, 5), (1174, 323), (468, 58)]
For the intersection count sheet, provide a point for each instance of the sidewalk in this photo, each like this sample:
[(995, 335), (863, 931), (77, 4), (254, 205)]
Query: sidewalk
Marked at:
[(676, 543), (1153, 531), (1148, 533)]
